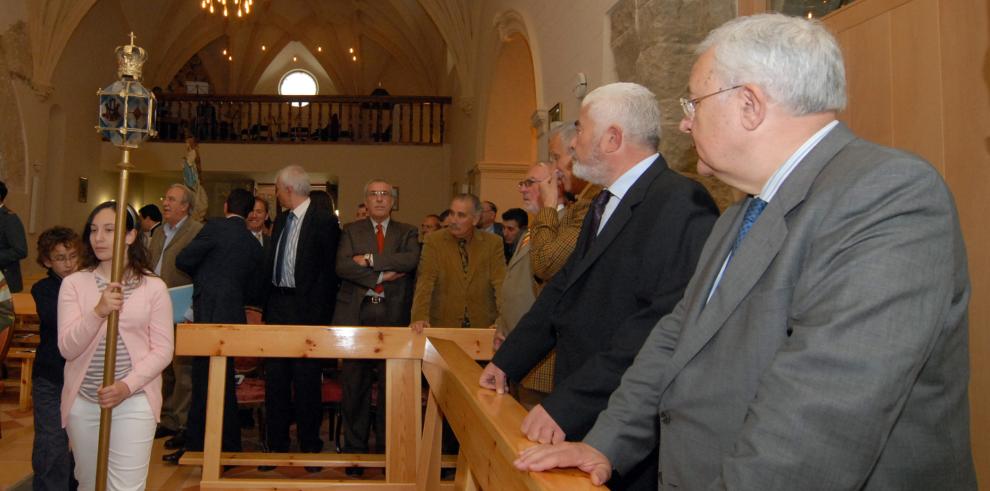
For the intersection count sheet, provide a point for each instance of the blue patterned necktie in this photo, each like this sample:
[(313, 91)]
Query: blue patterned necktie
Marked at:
[(756, 206), (283, 241)]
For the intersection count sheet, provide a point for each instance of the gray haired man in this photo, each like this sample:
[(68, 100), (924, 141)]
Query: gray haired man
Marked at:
[(822, 342)]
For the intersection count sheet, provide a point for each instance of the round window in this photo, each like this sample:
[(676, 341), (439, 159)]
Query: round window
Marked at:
[(298, 82)]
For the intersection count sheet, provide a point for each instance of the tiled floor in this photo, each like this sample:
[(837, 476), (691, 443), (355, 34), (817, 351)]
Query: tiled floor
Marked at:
[(18, 433)]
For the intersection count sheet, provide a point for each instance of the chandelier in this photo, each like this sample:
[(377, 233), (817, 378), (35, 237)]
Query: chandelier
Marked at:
[(242, 7)]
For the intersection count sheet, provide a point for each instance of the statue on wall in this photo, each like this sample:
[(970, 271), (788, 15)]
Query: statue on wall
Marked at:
[(192, 171)]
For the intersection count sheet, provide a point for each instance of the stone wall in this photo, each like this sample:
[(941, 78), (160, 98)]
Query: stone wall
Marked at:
[(15, 64), (653, 43)]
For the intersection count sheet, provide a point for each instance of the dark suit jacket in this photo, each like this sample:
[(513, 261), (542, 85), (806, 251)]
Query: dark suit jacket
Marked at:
[(13, 248), (832, 354), (601, 306), (401, 254), (224, 261), (316, 278)]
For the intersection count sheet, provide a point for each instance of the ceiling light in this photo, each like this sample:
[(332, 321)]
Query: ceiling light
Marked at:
[(241, 7), (263, 48), (295, 59), (354, 58), (319, 49), (351, 51)]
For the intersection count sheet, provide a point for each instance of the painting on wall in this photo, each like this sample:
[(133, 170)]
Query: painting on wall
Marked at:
[(395, 198), (82, 194), (555, 114)]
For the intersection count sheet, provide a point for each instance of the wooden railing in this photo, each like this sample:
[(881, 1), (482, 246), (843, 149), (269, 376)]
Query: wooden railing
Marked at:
[(382, 120), (486, 424)]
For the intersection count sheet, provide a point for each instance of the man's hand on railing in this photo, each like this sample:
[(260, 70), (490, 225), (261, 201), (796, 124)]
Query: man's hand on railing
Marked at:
[(539, 426), (493, 378), (567, 454), (418, 326), (498, 339)]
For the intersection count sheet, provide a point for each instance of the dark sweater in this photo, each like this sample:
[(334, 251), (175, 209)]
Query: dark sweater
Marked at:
[(48, 361)]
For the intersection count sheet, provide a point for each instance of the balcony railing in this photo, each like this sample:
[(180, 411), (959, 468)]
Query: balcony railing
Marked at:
[(381, 120)]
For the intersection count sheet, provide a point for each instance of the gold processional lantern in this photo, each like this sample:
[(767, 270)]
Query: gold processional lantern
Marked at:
[(126, 119)]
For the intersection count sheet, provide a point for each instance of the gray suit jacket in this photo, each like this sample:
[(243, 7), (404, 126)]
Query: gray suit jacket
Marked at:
[(834, 352), (401, 254), (518, 288)]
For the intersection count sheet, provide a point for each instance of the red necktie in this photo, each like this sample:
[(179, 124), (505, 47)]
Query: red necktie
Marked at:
[(380, 235)]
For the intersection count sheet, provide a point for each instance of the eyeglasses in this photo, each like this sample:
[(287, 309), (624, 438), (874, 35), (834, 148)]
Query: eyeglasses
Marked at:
[(689, 105), (380, 194), (59, 258), (529, 182)]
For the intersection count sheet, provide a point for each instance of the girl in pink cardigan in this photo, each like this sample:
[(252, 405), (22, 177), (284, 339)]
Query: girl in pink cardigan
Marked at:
[(144, 349)]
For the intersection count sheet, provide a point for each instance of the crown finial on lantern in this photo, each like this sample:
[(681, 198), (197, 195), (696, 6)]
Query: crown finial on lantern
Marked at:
[(130, 59)]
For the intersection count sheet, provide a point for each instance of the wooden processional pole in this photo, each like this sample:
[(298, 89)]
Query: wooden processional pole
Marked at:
[(110, 358)]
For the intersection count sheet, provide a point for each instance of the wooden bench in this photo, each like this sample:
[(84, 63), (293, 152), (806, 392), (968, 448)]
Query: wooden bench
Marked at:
[(26, 355)]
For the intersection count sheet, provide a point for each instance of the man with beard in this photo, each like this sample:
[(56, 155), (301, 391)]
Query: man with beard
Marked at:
[(636, 252)]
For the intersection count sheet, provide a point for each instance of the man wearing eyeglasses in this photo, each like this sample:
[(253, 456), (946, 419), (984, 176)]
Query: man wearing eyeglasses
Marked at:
[(376, 259), (637, 249), (823, 341)]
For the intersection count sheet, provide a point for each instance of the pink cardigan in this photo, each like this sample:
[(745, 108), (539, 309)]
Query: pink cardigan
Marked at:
[(145, 326)]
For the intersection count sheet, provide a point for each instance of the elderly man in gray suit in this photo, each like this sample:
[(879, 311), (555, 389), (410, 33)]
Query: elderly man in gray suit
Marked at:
[(822, 342), (376, 259)]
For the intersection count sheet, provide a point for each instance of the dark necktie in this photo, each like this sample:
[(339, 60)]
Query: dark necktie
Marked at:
[(283, 242), (596, 211), (462, 249), (380, 235)]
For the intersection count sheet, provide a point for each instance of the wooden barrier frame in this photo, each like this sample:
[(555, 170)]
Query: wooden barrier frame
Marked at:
[(412, 456)]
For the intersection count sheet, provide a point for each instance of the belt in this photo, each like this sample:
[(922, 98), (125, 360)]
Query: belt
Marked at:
[(375, 299), (285, 290)]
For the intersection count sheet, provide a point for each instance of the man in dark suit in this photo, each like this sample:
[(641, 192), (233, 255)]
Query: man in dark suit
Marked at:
[(637, 249), (301, 284), (224, 261), (256, 221), (823, 341), (13, 245), (376, 259)]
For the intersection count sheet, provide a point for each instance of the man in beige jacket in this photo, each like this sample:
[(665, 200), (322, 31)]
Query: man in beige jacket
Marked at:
[(460, 272), (175, 233)]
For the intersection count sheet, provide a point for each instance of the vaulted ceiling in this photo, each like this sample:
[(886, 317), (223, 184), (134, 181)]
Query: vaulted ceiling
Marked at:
[(390, 37)]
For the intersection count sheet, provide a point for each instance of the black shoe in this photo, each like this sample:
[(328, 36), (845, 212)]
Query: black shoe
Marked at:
[(164, 431), (176, 442), (354, 471), (312, 469), (266, 468), (173, 458)]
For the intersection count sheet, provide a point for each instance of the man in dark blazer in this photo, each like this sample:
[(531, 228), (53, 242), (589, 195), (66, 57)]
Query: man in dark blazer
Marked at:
[(13, 245), (300, 284), (823, 341), (376, 259), (224, 261), (637, 249)]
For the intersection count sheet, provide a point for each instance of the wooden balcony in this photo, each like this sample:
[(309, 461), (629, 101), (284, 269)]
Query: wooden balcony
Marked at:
[(375, 120)]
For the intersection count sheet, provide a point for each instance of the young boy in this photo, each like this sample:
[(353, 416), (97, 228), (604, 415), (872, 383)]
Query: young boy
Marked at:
[(58, 250)]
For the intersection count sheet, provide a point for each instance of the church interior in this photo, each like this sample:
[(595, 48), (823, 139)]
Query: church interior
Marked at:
[(439, 97)]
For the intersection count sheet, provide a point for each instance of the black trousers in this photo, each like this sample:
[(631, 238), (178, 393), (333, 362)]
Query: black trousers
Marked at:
[(293, 387), (196, 420), (357, 379)]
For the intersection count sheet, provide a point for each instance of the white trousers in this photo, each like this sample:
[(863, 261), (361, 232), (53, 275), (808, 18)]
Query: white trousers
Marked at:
[(131, 437)]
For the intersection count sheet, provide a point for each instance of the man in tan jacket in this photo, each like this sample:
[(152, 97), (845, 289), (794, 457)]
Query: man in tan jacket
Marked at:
[(460, 272), (175, 233)]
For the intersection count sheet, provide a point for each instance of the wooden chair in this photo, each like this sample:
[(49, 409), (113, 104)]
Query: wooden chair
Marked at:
[(6, 335)]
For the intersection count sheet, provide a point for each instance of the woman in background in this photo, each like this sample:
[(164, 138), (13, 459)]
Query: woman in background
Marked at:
[(144, 349), (58, 252)]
